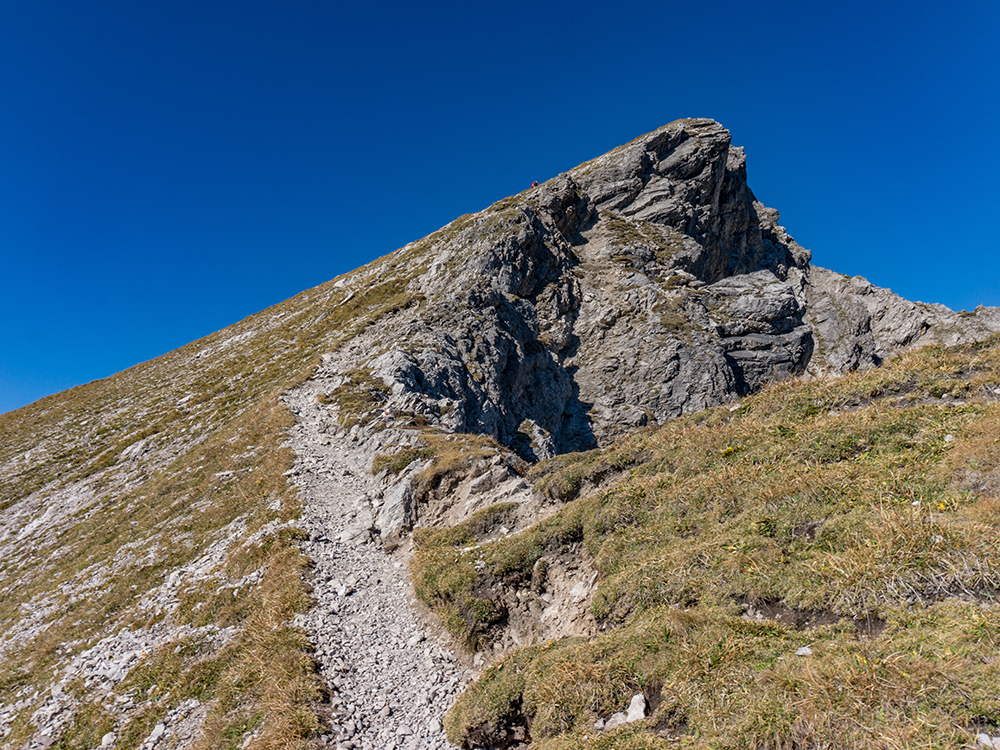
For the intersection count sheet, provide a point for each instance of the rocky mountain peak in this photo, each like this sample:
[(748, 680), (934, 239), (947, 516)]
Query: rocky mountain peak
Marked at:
[(689, 177), (153, 524), (639, 286)]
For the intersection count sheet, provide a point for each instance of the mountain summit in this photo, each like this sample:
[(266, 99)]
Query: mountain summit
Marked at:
[(210, 549), (643, 285)]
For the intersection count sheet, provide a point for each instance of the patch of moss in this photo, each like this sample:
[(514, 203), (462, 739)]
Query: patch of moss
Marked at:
[(672, 315), (396, 462), (357, 398), (664, 241)]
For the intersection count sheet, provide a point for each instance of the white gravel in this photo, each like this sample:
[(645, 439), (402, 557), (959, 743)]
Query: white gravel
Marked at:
[(391, 680)]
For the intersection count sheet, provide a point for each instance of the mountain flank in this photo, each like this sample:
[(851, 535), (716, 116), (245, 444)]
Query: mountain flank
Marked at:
[(611, 438), (813, 567)]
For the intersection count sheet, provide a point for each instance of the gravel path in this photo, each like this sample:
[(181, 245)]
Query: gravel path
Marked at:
[(391, 680)]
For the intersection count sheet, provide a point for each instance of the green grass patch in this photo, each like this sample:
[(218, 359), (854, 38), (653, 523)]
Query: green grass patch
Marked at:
[(855, 501), (395, 463)]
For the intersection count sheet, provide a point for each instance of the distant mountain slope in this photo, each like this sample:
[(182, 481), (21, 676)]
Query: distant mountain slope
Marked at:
[(149, 549)]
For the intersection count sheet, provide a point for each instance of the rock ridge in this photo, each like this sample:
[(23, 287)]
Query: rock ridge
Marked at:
[(645, 284)]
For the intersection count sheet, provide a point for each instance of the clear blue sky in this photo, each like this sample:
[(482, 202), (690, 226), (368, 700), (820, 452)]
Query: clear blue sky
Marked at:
[(168, 168)]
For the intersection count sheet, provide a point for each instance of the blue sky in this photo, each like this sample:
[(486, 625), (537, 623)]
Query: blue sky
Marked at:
[(168, 168)]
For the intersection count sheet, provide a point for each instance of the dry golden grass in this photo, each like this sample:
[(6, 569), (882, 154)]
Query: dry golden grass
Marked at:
[(866, 505), (206, 435)]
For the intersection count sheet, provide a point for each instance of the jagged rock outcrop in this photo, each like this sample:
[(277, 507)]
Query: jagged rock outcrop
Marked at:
[(858, 325), (687, 176), (640, 286)]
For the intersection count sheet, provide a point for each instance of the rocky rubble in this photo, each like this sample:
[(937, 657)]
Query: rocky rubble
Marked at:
[(390, 678), (101, 669)]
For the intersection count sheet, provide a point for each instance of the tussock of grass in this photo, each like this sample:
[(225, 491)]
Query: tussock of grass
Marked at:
[(357, 398), (459, 578), (563, 477), (396, 463), (445, 572), (840, 497), (453, 457), (92, 723), (469, 532), (272, 675)]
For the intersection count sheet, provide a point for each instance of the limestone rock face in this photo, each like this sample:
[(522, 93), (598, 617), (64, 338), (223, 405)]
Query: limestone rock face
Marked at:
[(688, 177), (645, 284), (858, 325)]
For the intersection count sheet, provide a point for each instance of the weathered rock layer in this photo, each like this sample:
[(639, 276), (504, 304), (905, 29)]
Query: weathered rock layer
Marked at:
[(645, 284)]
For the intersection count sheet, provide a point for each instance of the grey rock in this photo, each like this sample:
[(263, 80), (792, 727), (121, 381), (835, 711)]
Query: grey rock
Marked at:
[(646, 284), (636, 711), (616, 720), (857, 325), (636, 708)]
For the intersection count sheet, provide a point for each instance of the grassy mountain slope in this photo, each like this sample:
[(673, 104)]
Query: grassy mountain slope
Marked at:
[(145, 519), (149, 568), (856, 517), (148, 558)]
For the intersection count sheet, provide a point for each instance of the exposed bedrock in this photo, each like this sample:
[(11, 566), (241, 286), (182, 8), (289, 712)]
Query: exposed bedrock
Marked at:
[(645, 284)]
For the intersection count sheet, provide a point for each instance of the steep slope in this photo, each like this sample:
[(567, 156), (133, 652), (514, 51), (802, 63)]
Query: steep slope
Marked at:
[(646, 284), (813, 567), (151, 524)]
